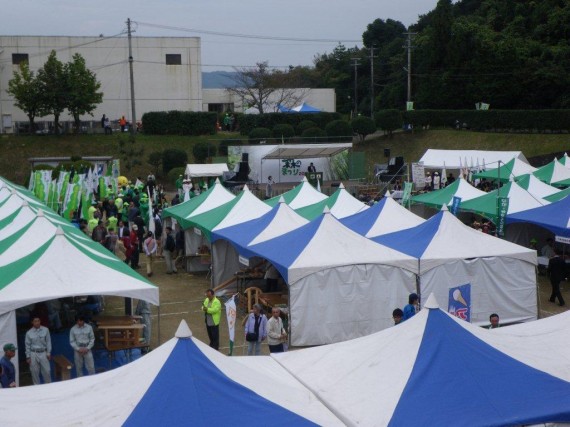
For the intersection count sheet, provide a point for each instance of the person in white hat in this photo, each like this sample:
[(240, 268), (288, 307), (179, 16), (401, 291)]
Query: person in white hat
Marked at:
[(436, 181), (429, 182)]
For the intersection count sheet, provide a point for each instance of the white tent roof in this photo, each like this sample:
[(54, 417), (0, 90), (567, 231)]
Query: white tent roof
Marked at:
[(246, 208), (346, 204), (205, 170), (540, 189), (306, 196), (522, 200), (217, 197), (454, 159), (466, 191), (65, 264), (285, 220), (144, 386)]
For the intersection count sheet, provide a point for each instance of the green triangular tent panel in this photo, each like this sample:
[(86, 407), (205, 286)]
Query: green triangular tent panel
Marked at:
[(313, 211), (503, 173), (436, 199)]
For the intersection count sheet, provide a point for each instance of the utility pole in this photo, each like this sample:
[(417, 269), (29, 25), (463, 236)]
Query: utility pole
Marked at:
[(355, 65), (133, 111), (409, 69), (372, 82)]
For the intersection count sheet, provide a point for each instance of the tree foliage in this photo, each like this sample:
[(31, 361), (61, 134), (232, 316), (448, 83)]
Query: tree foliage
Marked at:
[(265, 89), (54, 88), (363, 126), (25, 88), (172, 158)]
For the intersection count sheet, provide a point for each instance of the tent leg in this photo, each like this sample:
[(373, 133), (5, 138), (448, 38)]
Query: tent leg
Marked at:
[(538, 305), (418, 284), (158, 326), (289, 332)]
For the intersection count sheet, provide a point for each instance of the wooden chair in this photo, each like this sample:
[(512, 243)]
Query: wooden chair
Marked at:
[(252, 295)]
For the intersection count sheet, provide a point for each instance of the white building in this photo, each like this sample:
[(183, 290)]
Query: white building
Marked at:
[(167, 72), (220, 100)]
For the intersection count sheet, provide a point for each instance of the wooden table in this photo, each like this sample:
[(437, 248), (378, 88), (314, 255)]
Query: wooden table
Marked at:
[(117, 320), (121, 337)]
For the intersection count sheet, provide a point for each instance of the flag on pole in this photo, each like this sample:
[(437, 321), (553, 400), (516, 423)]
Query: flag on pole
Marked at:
[(443, 175), (231, 314), (151, 225), (318, 185)]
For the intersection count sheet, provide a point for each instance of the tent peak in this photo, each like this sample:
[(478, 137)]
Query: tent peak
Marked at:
[(444, 208), (59, 231), (305, 179), (183, 330), (387, 194), (281, 199), (40, 213), (341, 185), (431, 302), (326, 210), (217, 181), (245, 187)]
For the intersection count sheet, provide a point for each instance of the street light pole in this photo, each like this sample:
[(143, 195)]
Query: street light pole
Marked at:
[(355, 65), (133, 111)]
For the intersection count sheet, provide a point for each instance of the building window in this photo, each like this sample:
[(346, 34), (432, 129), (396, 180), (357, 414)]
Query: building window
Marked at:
[(19, 58), (173, 59)]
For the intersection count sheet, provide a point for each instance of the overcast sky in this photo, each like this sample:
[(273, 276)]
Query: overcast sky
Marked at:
[(338, 20)]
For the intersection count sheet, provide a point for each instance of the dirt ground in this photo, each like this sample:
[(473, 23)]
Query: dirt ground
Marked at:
[(182, 294)]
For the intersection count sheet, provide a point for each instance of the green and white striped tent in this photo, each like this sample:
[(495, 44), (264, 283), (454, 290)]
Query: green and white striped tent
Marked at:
[(554, 173), (302, 195), (341, 204), (536, 187)]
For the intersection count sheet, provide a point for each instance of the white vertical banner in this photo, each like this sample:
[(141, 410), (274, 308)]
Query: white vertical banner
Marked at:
[(231, 315), (151, 225)]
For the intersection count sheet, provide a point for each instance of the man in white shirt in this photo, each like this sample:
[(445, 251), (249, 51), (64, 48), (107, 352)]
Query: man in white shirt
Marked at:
[(38, 351), (276, 334), (82, 340)]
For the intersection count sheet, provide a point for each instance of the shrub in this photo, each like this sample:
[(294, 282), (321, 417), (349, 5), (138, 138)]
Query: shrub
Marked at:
[(225, 143), (259, 134), (174, 173), (388, 120), (283, 131), (155, 160), (339, 130), (179, 123), (172, 158), (363, 126), (202, 151), (248, 122), (318, 134), (304, 125)]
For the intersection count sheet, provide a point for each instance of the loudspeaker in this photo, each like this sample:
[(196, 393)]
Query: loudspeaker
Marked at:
[(243, 172), (335, 184), (386, 152), (245, 157)]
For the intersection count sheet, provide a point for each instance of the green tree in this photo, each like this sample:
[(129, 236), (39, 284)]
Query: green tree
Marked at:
[(25, 89), (82, 89), (172, 158), (155, 160), (54, 89), (201, 151), (363, 126)]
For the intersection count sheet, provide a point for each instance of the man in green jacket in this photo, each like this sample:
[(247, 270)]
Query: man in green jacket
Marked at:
[(212, 308)]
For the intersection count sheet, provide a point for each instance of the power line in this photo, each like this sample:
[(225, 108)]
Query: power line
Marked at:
[(245, 36)]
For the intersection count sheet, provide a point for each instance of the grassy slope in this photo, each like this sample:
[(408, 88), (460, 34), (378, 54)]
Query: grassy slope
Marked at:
[(16, 150)]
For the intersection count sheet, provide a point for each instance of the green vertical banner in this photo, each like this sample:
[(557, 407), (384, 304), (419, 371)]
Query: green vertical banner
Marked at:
[(502, 209), (407, 192)]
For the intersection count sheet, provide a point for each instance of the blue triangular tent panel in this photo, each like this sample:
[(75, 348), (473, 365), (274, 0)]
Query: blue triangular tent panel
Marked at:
[(453, 366), (191, 390), (412, 241), (554, 217), (362, 221)]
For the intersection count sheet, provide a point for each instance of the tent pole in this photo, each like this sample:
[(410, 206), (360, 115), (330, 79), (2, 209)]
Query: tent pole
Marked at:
[(538, 305), (158, 326), (418, 284), (290, 331)]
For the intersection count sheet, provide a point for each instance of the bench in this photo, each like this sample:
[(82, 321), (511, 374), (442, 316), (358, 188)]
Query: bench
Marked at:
[(62, 367)]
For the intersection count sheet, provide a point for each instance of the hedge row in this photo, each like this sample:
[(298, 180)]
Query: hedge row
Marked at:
[(497, 120), (248, 122), (179, 123)]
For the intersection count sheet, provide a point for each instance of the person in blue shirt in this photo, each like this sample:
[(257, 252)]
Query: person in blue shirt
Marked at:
[(412, 308), (7, 369)]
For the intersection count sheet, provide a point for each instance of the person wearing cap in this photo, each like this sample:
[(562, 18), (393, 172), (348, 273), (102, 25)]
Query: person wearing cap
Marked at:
[(169, 248), (212, 308), (150, 246), (436, 181), (38, 351), (82, 340), (7, 369), (412, 308), (428, 184)]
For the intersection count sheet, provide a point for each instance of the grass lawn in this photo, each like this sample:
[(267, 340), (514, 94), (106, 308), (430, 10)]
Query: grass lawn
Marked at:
[(16, 150)]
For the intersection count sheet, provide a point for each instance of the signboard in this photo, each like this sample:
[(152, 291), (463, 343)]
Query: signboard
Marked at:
[(562, 239), (502, 209), (419, 175), (243, 260), (456, 202), (409, 106), (197, 231), (291, 167), (407, 192), (459, 302)]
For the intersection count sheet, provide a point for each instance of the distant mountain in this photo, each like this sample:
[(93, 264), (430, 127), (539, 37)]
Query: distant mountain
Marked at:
[(217, 79)]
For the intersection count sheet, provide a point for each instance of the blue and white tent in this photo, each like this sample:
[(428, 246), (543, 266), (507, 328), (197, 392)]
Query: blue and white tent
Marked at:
[(304, 108), (328, 266), (229, 243), (386, 216), (183, 382), (554, 217), (432, 370), (501, 274)]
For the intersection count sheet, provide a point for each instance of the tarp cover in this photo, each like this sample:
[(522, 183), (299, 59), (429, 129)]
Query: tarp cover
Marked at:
[(459, 188), (454, 159), (206, 170), (341, 204), (536, 187), (386, 216), (432, 370), (554, 173), (554, 217), (302, 195), (506, 171)]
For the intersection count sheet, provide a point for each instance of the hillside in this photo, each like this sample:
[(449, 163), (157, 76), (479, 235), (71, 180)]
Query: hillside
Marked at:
[(16, 150)]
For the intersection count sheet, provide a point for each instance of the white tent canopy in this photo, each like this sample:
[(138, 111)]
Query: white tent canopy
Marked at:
[(206, 170), (455, 159)]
